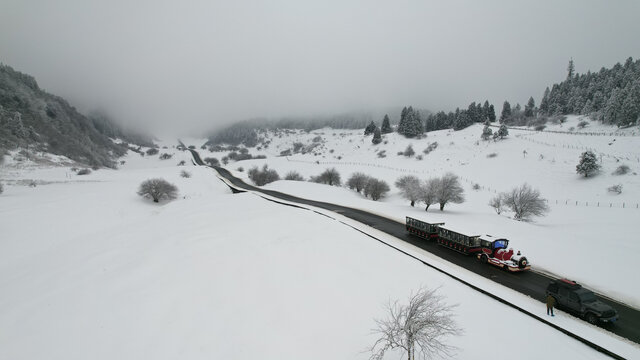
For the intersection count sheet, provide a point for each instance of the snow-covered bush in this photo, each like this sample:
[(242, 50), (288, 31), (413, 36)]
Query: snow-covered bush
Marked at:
[(84, 171), (621, 170), (1, 188), (357, 181), (330, 177), (449, 190), (165, 156), (410, 189), (152, 151), (264, 176), (492, 155), (185, 174), (408, 152), (294, 176), (430, 147), (582, 124), (212, 161), (615, 189), (375, 188), (158, 189), (497, 203)]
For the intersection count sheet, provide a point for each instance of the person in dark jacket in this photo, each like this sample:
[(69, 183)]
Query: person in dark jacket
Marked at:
[(550, 302)]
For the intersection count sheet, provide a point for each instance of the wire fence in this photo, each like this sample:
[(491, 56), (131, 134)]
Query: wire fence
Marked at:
[(584, 133), (579, 147), (563, 202)]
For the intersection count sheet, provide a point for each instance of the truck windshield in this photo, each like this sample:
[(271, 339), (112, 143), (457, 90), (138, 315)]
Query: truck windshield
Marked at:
[(500, 244)]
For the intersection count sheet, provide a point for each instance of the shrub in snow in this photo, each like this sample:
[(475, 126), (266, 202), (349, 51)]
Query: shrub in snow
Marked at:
[(503, 131), (419, 157), (329, 177), (582, 124), (158, 189), (165, 156), (212, 161), (1, 188), (185, 174), (181, 163), (622, 170), (430, 148), (264, 176), (225, 160), (492, 155), (375, 188), (421, 327), (241, 169), (487, 133), (357, 181), (377, 137), (540, 127), (409, 187), (525, 202), (33, 183), (382, 154), (572, 129), (497, 203), (588, 164), (476, 187), (615, 189), (84, 171), (152, 151), (408, 152), (294, 176)]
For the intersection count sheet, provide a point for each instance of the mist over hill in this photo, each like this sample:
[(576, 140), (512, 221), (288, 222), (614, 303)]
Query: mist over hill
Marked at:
[(33, 119)]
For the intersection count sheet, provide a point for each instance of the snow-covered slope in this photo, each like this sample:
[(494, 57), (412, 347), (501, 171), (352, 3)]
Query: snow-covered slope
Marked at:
[(88, 269), (588, 236)]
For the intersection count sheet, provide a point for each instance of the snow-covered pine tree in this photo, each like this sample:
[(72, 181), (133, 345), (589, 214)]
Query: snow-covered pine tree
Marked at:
[(377, 139), (487, 133), (506, 112), (529, 108), (503, 131), (386, 125), (370, 128), (588, 164)]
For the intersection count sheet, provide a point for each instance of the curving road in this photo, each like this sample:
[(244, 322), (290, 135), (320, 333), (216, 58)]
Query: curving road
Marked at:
[(529, 283)]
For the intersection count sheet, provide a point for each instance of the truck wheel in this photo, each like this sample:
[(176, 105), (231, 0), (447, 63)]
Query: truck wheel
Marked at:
[(523, 262), (591, 318), (484, 259)]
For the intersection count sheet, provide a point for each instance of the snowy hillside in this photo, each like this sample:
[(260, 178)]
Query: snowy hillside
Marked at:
[(88, 269), (587, 228)]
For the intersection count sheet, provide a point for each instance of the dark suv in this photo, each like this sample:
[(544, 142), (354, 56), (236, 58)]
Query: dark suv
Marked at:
[(578, 300)]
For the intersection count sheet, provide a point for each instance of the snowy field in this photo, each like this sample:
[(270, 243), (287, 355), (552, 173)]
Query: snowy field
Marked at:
[(89, 270), (589, 235)]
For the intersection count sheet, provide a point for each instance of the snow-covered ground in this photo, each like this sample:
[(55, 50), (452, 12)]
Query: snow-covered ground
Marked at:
[(88, 269), (589, 235)]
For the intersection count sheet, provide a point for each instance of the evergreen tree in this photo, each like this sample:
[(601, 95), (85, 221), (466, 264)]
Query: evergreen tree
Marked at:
[(386, 125), (570, 69), (588, 164), (402, 124), (544, 104), (485, 111), (503, 131), (377, 138), (487, 133), (506, 112), (529, 108), (491, 115), (370, 128)]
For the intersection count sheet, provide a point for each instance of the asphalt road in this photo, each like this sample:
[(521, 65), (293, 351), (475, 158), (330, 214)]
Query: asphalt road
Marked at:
[(529, 283)]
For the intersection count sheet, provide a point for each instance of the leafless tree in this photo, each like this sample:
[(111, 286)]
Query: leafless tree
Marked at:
[(409, 186), (357, 181), (525, 202), (158, 189), (428, 191), (294, 175), (449, 190), (264, 176), (419, 327), (375, 188), (497, 203)]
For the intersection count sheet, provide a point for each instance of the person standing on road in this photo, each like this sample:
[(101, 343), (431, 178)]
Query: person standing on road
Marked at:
[(550, 303)]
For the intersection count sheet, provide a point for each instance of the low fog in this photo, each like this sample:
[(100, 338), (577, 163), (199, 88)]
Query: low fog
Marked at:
[(195, 65)]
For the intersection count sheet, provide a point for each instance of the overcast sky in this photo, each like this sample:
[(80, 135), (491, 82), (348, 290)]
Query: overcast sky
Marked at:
[(211, 62)]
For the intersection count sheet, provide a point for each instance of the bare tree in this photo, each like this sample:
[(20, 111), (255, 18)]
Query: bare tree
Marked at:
[(185, 174), (409, 186), (293, 175), (421, 327), (497, 203), (428, 192), (449, 190), (158, 189), (357, 181), (212, 161), (375, 188), (525, 202)]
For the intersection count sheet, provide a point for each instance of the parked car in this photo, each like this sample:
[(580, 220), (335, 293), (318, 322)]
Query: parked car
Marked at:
[(574, 298)]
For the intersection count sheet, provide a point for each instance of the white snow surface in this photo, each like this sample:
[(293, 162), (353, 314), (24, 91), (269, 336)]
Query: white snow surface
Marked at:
[(90, 270)]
